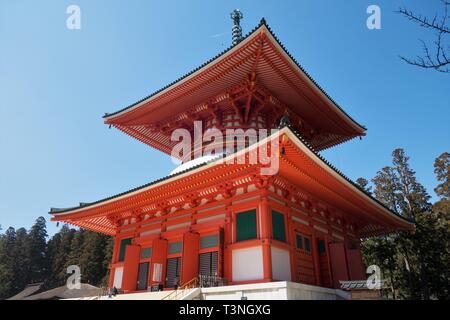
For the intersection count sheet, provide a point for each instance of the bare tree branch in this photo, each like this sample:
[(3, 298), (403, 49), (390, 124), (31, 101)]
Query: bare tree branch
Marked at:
[(440, 62)]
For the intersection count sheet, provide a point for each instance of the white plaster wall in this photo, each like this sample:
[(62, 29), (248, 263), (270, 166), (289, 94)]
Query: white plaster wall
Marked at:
[(273, 291), (247, 264), (281, 264), (282, 290), (118, 273)]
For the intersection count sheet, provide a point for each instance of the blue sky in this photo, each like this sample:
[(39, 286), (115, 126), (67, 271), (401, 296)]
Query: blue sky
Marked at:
[(56, 84)]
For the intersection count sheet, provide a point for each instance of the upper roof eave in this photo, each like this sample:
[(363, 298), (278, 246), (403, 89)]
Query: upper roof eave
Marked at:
[(108, 117)]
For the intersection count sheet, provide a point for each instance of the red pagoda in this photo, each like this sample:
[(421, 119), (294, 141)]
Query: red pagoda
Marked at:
[(216, 216)]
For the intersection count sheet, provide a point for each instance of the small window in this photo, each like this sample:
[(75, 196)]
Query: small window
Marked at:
[(175, 247), (246, 225), (298, 240), (278, 228), (146, 253), (321, 246), (209, 241), (123, 246), (307, 244)]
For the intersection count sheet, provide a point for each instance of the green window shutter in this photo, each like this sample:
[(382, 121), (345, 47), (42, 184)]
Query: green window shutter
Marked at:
[(123, 246), (175, 247), (298, 240), (209, 241), (146, 253), (321, 246), (173, 272), (208, 263), (307, 244), (278, 227), (246, 225)]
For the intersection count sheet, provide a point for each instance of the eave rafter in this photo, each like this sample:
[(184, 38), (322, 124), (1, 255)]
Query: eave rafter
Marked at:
[(327, 190), (305, 200), (163, 198)]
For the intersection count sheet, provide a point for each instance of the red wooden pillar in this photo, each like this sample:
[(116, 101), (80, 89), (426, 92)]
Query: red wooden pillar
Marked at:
[(316, 260), (338, 260), (191, 246), (115, 249), (266, 238), (159, 260), (327, 251), (130, 267), (290, 237), (355, 264), (227, 240)]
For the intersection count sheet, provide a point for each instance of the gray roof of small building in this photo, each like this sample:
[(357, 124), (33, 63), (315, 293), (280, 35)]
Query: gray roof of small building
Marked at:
[(358, 284)]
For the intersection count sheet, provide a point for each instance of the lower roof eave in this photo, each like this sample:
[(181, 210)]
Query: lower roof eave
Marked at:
[(396, 220)]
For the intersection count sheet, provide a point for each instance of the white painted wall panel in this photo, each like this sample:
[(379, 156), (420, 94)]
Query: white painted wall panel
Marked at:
[(118, 274), (248, 264), (281, 264)]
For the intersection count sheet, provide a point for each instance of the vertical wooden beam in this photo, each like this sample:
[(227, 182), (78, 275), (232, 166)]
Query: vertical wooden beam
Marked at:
[(130, 268), (159, 256), (228, 240), (191, 246), (266, 236), (327, 251), (290, 237), (316, 260)]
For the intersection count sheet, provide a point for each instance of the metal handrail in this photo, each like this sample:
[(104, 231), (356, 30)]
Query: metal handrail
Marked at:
[(206, 281), (193, 283)]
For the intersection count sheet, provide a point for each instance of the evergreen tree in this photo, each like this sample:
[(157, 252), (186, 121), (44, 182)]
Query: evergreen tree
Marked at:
[(413, 196), (58, 250), (364, 185), (26, 257), (91, 259), (381, 251), (442, 171), (107, 253), (21, 260), (424, 251), (387, 188), (37, 248), (7, 244)]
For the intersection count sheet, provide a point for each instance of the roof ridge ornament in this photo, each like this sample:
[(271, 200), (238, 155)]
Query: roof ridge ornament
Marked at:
[(236, 35)]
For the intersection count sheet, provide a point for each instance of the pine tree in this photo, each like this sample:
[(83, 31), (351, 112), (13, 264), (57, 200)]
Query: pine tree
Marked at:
[(425, 250), (58, 250), (37, 248), (107, 254), (387, 188), (364, 185), (442, 171), (76, 249), (21, 260), (7, 243), (441, 219), (91, 259), (414, 197)]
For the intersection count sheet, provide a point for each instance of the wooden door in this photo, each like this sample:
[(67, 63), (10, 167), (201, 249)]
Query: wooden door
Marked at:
[(142, 282), (325, 280)]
